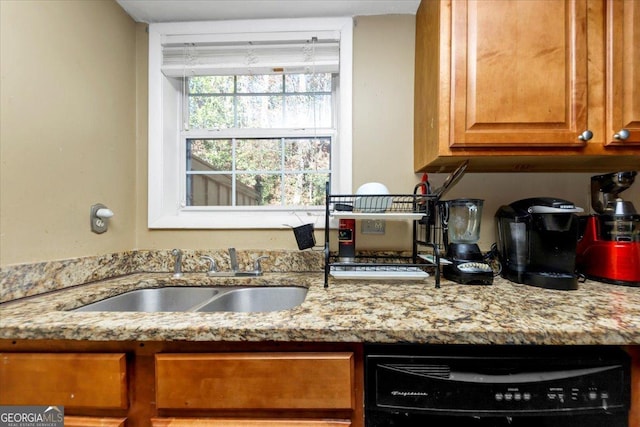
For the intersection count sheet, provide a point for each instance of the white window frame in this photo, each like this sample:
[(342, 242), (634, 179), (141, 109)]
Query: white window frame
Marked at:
[(166, 158)]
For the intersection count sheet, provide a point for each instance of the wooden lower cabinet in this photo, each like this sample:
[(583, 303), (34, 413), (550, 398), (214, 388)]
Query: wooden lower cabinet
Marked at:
[(261, 388), (74, 421), (74, 380), (212, 422), (256, 384), (248, 381), (634, 414), (92, 384), (156, 384)]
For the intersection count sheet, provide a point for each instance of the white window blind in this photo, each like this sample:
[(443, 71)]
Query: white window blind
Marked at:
[(250, 53)]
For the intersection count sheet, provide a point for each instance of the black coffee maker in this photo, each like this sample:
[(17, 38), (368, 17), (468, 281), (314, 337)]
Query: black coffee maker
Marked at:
[(537, 241)]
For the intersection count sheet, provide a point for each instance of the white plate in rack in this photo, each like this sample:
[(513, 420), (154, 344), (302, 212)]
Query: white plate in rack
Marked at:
[(409, 273)]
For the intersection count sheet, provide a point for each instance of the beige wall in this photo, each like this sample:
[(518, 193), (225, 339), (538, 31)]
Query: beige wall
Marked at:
[(79, 136), (67, 132)]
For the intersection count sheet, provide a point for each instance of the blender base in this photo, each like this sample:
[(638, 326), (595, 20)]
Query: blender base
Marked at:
[(467, 265), (453, 273)]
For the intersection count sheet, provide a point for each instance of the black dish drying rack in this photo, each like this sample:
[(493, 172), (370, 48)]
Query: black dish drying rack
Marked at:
[(422, 209)]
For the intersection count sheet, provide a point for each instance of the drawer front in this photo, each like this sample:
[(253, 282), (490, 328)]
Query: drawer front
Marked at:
[(214, 422), (72, 380), (74, 421), (255, 381)]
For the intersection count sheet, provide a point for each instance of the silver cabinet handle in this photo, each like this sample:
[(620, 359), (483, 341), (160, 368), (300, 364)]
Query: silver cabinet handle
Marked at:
[(622, 134), (586, 135)]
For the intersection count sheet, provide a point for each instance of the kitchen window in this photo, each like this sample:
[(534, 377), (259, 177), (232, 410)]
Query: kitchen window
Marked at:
[(247, 121)]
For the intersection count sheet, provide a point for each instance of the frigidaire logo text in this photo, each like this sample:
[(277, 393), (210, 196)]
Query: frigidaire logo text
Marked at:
[(409, 393)]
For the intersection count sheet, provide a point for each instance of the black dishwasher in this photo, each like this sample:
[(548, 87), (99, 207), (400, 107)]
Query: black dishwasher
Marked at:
[(495, 386)]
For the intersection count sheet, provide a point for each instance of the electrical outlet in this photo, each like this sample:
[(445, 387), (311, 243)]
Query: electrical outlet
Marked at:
[(372, 226)]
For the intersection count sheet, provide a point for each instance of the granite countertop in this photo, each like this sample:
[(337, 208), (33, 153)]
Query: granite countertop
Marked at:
[(346, 311)]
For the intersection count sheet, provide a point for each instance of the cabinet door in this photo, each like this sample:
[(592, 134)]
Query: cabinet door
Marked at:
[(519, 73), (73, 380), (623, 72), (75, 421), (213, 422), (245, 381)]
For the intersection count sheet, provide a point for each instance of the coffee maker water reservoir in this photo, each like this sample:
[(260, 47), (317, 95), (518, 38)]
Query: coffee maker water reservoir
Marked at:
[(537, 240)]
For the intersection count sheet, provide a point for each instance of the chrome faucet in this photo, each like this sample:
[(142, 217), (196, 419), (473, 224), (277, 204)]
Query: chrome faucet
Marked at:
[(257, 266), (235, 267), (212, 270), (177, 266)]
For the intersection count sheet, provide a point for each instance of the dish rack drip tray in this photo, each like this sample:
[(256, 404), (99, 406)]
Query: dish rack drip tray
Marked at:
[(372, 271)]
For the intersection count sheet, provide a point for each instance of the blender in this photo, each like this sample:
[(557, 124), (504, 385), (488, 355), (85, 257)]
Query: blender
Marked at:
[(461, 232), (609, 247)]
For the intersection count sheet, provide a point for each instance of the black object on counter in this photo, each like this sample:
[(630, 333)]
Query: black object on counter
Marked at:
[(467, 266), (537, 239), (460, 232)]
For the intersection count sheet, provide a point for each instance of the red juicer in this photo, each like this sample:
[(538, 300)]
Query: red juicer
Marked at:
[(609, 247)]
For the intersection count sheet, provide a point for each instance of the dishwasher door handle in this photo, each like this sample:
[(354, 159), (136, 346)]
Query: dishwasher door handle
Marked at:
[(517, 378), (525, 377)]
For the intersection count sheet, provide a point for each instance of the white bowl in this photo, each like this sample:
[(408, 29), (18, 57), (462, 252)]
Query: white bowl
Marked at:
[(372, 188), (374, 203)]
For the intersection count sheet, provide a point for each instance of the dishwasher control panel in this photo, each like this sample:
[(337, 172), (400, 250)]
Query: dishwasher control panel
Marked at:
[(487, 383)]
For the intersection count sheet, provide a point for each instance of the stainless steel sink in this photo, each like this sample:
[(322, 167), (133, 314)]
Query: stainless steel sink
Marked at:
[(174, 298), (206, 299), (257, 299)]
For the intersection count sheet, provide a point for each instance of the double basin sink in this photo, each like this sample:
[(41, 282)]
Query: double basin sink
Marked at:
[(203, 299)]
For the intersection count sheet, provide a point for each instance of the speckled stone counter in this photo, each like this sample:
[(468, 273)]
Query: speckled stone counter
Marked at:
[(347, 311), (24, 280)]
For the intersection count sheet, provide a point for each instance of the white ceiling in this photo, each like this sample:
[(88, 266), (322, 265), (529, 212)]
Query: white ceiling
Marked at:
[(150, 11)]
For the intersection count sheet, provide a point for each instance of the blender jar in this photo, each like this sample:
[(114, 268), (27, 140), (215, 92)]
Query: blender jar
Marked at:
[(464, 216)]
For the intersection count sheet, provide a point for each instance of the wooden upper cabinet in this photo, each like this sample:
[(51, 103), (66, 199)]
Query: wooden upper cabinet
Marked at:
[(530, 85), (520, 73), (623, 72)]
